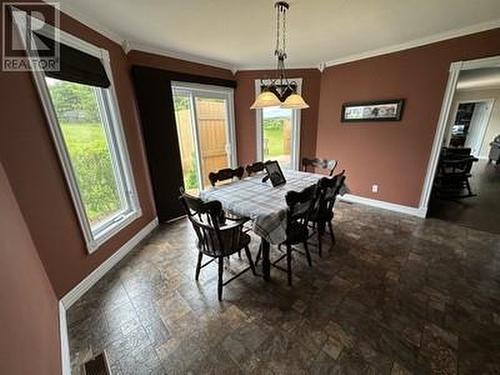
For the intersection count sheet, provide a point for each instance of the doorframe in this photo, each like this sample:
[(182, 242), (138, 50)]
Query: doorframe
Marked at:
[(296, 125), (449, 94), (484, 125), (228, 94)]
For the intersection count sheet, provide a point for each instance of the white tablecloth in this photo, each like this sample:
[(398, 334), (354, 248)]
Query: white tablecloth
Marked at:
[(264, 204)]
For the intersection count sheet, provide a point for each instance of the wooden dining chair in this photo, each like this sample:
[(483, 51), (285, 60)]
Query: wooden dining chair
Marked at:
[(226, 174), (452, 177), (255, 168), (322, 216), (218, 236), (330, 165), (300, 208)]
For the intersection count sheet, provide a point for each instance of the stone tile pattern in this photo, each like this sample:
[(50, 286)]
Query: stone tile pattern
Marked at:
[(396, 295)]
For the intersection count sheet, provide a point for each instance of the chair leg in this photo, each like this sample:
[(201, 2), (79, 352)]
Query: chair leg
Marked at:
[(239, 254), (331, 232), (198, 266), (221, 271), (249, 256), (320, 231), (308, 254), (289, 263), (467, 185), (259, 254)]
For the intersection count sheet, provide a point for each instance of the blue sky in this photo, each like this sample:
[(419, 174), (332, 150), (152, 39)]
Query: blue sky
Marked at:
[(273, 112)]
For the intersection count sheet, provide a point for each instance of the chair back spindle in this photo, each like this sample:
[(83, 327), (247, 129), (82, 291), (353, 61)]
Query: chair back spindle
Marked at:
[(329, 165), (216, 237), (255, 168), (226, 174), (300, 205), (328, 191)]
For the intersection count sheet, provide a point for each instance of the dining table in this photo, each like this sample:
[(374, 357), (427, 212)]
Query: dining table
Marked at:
[(256, 199)]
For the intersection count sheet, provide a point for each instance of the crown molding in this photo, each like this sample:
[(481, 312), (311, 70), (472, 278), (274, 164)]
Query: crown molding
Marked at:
[(90, 23), (134, 46), (273, 67), (417, 42), (131, 45)]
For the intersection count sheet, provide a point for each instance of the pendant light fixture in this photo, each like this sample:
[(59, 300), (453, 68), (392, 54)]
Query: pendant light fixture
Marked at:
[(280, 91)]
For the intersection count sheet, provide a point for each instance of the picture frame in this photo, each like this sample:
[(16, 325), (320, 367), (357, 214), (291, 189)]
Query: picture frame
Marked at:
[(275, 173), (378, 110)]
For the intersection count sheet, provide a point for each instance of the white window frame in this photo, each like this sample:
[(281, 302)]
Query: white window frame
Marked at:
[(210, 91), (296, 125), (113, 125)]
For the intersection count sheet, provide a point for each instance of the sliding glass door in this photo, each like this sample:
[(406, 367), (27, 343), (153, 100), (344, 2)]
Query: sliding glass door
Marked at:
[(205, 128)]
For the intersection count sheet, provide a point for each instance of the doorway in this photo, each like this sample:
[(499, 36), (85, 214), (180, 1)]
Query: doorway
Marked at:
[(469, 124), (204, 118), (278, 132), (463, 180)]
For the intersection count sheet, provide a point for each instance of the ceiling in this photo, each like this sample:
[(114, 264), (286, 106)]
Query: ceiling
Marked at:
[(240, 34), (479, 79)]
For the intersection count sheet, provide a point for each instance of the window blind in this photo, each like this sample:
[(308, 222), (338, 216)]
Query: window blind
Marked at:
[(75, 66)]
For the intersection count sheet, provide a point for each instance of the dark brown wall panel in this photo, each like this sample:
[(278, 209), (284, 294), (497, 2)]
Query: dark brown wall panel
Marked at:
[(154, 97)]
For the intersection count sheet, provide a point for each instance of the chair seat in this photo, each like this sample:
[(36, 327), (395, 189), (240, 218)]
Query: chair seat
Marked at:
[(296, 233), (244, 241)]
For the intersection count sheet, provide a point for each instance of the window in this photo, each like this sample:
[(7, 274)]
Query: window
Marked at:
[(278, 132), (277, 135), (84, 118)]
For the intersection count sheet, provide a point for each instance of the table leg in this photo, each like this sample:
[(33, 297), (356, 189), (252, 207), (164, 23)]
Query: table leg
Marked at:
[(266, 262)]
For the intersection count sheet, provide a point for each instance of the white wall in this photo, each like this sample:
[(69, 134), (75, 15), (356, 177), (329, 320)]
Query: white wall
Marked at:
[(494, 125)]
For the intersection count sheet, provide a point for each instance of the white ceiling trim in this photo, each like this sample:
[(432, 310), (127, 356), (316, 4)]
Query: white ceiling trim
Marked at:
[(130, 46), (273, 67), (87, 21), (417, 42)]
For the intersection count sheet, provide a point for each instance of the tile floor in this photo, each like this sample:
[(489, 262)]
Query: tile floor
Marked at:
[(396, 295)]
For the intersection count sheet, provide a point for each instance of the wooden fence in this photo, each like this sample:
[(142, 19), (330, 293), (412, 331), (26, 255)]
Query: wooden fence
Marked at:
[(212, 135)]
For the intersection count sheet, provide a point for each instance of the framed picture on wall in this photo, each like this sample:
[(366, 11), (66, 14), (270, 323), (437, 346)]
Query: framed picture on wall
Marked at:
[(380, 110)]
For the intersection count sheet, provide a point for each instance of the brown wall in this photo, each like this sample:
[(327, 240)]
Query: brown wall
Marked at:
[(245, 117), (32, 165), (176, 65), (29, 326), (393, 155)]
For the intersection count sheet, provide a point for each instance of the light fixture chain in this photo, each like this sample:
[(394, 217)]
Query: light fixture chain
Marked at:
[(284, 32), (279, 91), (277, 50)]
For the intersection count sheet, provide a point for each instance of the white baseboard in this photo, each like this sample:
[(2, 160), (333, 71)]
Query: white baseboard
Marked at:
[(63, 336), (74, 294), (419, 212)]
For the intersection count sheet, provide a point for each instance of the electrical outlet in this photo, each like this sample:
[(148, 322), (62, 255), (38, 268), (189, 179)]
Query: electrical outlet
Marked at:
[(375, 188)]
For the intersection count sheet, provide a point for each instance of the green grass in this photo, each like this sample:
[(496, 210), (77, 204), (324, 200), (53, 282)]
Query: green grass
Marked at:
[(91, 161), (274, 134), (78, 136)]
